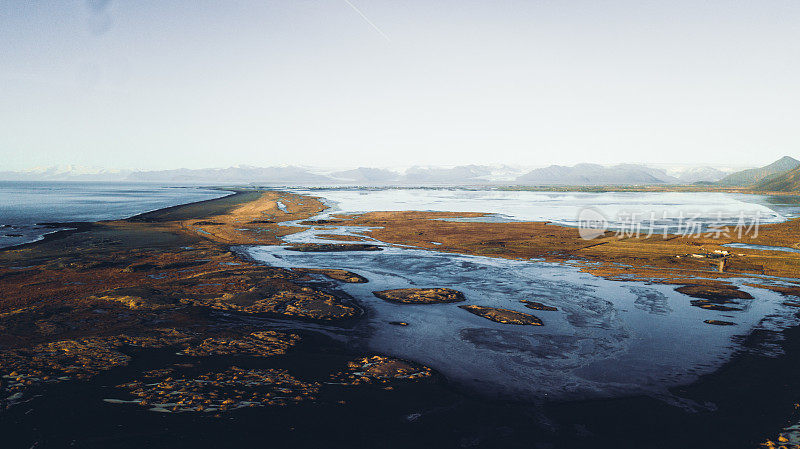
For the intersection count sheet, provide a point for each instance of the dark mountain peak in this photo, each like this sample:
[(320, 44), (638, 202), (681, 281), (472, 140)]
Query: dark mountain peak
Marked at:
[(785, 161), (754, 176)]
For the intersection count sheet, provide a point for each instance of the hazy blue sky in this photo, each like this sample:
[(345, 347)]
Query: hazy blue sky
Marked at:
[(161, 84)]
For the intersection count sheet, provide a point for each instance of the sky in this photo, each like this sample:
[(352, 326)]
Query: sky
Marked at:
[(156, 84)]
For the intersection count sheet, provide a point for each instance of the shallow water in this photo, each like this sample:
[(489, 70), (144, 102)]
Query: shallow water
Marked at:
[(762, 247), (608, 338)]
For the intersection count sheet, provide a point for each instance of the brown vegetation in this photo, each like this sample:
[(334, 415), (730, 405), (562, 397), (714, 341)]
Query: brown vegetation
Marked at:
[(420, 295), (333, 247), (336, 274), (719, 323), (381, 369), (538, 306), (77, 304), (218, 391), (669, 259), (503, 316)]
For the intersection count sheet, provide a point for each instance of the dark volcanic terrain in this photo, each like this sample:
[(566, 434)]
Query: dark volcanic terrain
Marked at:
[(152, 332)]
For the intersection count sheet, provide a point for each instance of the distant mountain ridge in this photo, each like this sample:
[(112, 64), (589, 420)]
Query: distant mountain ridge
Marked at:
[(65, 173), (463, 175), (700, 174), (283, 175), (593, 174), (782, 182), (753, 176), (240, 174), (367, 175)]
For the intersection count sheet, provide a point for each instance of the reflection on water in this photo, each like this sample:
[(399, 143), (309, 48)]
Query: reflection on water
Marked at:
[(607, 337), (786, 205)]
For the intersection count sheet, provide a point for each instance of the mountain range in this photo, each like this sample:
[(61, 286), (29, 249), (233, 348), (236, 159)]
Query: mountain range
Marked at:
[(579, 174), (747, 178), (233, 175), (691, 175), (593, 174), (782, 182), (65, 173)]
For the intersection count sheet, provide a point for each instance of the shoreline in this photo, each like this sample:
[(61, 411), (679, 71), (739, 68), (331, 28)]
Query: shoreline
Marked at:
[(85, 225), (73, 227)]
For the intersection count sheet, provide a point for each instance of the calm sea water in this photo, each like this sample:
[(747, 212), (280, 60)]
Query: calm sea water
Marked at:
[(24, 205)]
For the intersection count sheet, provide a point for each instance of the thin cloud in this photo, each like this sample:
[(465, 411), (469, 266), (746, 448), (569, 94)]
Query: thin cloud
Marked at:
[(366, 19)]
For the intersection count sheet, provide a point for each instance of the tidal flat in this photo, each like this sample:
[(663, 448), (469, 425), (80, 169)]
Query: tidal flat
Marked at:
[(241, 320)]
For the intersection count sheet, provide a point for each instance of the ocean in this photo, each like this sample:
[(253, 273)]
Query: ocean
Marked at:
[(27, 205)]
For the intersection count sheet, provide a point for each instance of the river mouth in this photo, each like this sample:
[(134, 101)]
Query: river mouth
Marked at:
[(607, 338)]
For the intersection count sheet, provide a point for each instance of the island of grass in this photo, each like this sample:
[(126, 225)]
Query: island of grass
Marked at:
[(504, 316), (717, 306), (716, 292), (538, 306), (333, 247), (719, 322), (345, 276), (420, 295)]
